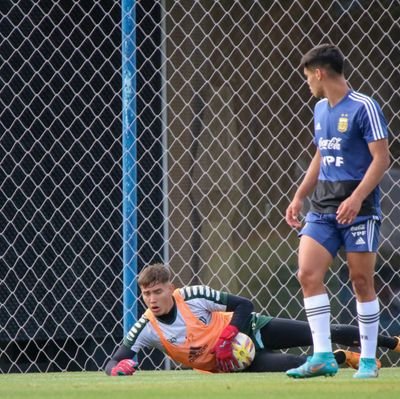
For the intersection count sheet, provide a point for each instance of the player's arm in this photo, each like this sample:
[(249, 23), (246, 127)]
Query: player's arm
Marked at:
[(308, 184), (241, 308), (138, 337), (350, 207), (121, 362)]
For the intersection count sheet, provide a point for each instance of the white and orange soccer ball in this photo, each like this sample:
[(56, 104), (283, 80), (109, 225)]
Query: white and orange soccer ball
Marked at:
[(244, 351)]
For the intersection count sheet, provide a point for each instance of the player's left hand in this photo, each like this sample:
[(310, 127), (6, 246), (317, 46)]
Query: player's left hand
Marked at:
[(348, 210), (223, 349), (124, 367)]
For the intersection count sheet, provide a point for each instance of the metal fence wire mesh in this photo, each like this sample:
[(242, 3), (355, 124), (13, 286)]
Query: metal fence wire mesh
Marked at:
[(224, 136)]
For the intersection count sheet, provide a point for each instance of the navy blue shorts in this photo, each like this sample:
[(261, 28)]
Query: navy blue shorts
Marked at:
[(360, 236)]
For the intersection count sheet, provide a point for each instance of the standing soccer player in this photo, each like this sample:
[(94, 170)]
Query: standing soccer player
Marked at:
[(350, 160)]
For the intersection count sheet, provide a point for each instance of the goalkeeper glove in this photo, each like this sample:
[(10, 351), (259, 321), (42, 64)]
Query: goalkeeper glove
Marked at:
[(223, 349), (124, 367)]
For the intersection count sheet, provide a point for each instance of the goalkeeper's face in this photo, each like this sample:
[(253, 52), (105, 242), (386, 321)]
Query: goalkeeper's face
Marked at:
[(158, 298)]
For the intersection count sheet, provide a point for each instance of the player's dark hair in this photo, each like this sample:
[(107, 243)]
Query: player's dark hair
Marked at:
[(154, 274), (325, 56)]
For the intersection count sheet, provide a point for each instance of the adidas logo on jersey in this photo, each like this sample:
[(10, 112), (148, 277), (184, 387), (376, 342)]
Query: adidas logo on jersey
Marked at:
[(360, 241), (318, 126)]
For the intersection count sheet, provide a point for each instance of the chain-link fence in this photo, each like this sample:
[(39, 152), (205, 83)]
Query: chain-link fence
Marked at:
[(221, 101)]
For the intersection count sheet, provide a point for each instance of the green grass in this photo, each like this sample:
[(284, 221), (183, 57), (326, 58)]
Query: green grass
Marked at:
[(193, 385)]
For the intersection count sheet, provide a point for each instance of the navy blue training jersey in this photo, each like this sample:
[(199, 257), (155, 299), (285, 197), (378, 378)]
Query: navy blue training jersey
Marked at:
[(342, 134)]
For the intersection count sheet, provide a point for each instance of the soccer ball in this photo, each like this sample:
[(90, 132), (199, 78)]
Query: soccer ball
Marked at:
[(244, 351)]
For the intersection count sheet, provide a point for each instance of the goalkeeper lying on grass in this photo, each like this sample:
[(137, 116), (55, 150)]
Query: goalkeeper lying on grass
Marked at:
[(196, 325)]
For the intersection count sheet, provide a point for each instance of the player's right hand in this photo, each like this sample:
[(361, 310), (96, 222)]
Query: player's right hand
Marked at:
[(293, 212), (124, 367), (226, 361)]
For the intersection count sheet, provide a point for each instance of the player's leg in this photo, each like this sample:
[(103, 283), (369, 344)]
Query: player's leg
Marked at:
[(361, 270), (362, 267), (361, 243), (318, 245), (314, 262), (282, 333), (268, 361), (346, 335)]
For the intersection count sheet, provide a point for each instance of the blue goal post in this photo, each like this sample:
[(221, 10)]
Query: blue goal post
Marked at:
[(129, 164)]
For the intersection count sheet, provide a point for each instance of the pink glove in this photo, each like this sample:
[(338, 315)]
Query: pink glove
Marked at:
[(223, 349), (124, 367)]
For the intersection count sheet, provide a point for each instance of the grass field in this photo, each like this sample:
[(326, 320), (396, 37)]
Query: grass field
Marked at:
[(193, 385)]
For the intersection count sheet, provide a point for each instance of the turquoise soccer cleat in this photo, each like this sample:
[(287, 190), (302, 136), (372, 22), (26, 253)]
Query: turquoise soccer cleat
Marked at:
[(320, 364), (367, 369)]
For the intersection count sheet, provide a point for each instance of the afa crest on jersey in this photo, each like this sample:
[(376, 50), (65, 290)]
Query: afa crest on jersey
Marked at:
[(343, 123)]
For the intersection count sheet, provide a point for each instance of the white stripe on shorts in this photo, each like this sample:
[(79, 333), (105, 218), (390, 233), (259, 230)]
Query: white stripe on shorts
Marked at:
[(370, 233)]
